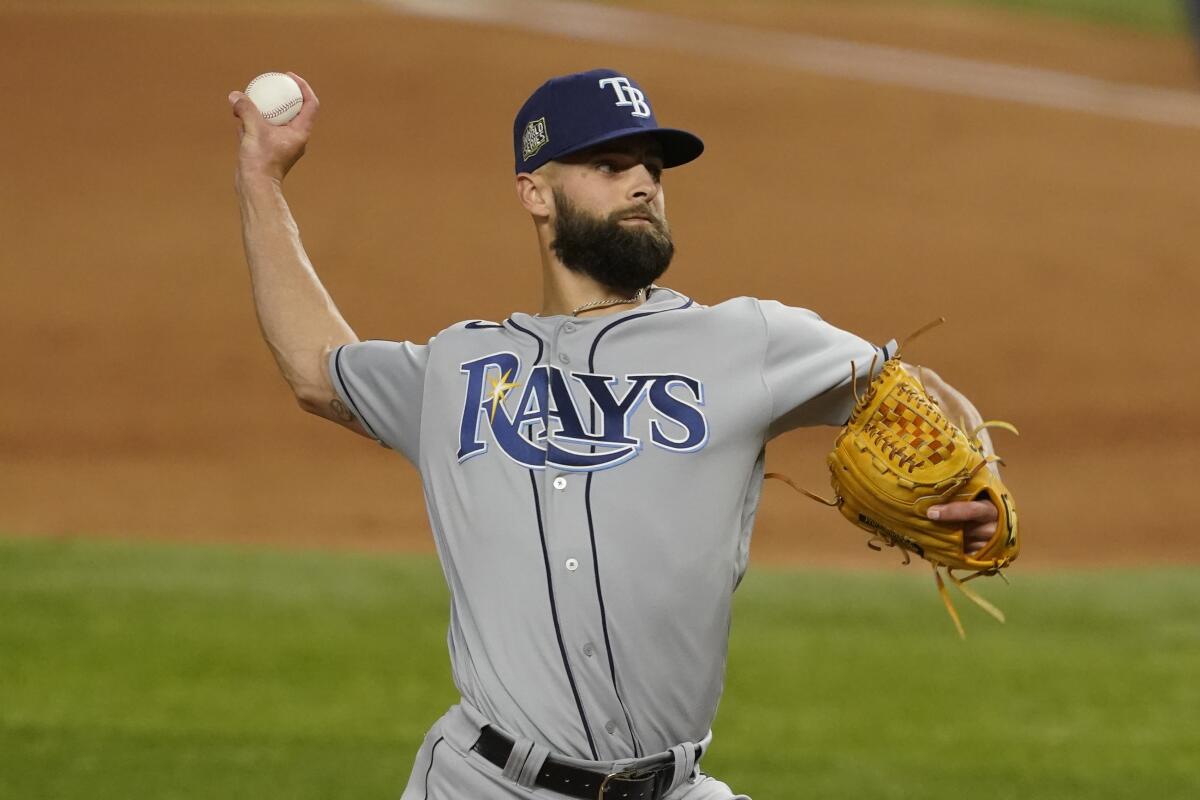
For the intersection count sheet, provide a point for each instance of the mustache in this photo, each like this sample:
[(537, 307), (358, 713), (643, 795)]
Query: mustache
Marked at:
[(643, 211)]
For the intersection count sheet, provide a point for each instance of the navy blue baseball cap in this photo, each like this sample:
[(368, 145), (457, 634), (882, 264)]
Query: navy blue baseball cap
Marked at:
[(572, 112)]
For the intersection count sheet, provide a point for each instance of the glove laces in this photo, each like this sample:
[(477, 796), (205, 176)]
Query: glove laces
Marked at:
[(905, 457)]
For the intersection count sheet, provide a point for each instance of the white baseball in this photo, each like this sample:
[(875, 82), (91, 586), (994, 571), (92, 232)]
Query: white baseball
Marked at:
[(277, 97)]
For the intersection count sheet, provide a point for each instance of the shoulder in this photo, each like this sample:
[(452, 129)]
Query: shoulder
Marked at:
[(743, 315), (755, 307), (664, 299), (471, 327), (757, 313), (468, 330), (790, 326)]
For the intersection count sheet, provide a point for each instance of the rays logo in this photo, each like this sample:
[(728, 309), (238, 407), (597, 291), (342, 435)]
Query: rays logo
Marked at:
[(548, 429)]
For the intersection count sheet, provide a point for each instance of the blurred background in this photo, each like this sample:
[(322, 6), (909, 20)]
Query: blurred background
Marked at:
[(186, 609)]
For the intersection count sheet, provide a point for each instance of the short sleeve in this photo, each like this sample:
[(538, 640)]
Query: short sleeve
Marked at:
[(383, 384), (807, 367)]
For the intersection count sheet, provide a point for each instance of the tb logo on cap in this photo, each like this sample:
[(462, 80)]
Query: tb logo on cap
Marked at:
[(628, 96)]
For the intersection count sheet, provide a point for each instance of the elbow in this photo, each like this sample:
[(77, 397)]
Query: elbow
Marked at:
[(312, 404), (311, 385), (314, 398), (330, 406)]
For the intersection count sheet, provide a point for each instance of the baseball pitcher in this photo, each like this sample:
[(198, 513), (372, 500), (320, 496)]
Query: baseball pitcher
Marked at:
[(592, 468)]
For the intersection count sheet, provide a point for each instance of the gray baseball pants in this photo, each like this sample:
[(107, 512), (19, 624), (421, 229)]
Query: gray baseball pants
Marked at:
[(447, 769)]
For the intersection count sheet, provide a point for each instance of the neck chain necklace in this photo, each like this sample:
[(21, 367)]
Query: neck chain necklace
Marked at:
[(641, 293)]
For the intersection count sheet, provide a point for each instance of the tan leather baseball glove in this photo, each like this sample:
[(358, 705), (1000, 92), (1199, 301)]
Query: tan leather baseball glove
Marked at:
[(897, 456)]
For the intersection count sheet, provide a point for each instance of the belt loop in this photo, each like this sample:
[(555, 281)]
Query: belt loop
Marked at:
[(462, 725), (533, 765), (516, 758), (685, 762)]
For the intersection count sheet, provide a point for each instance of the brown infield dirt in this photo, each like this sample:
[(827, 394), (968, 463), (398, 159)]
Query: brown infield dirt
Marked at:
[(140, 401)]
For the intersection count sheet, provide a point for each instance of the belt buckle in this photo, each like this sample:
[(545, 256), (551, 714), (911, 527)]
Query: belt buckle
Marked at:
[(625, 774)]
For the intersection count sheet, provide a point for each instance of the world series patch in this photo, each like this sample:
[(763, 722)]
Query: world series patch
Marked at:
[(534, 138)]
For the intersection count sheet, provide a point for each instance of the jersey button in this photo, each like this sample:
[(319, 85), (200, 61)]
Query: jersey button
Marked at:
[(572, 565), (589, 650), (610, 726), (560, 483), (564, 358), (569, 327)]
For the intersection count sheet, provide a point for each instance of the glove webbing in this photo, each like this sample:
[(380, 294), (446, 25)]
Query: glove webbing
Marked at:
[(877, 538)]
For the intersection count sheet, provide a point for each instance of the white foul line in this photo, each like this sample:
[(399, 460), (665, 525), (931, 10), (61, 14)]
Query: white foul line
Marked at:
[(835, 58)]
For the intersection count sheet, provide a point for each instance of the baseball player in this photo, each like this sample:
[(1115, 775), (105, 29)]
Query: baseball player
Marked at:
[(591, 469)]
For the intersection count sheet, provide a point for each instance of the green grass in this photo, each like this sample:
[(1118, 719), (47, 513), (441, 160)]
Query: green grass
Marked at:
[(1089, 691), (1153, 15), (1161, 16), (1164, 16), (153, 671), (160, 671)]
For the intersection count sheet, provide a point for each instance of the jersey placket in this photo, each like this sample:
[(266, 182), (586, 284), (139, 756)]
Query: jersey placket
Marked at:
[(574, 571)]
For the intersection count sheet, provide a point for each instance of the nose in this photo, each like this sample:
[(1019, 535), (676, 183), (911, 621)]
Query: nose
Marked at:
[(643, 187)]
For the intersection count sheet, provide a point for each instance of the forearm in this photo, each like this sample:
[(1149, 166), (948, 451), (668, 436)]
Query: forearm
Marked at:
[(298, 318)]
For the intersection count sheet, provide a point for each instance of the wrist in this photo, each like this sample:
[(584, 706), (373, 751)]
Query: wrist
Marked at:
[(251, 181), (257, 185)]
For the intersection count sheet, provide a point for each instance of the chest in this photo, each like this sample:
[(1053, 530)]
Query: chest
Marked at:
[(565, 403)]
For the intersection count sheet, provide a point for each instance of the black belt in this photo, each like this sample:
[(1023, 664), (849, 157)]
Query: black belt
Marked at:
[(644, 783)]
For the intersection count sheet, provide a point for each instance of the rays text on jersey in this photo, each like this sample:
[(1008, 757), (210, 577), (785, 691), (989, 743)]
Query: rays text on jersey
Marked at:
[(548, 428)]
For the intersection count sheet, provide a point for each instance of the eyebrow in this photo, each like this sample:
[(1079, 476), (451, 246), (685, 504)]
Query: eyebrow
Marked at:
[(615, 148)]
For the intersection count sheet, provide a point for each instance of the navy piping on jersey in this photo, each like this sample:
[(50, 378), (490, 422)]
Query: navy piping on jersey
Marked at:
[(562, 648), (615, 323), (337, 366), (532, 335), (432, 752), (612, 667), (587, 500), (537, 509)]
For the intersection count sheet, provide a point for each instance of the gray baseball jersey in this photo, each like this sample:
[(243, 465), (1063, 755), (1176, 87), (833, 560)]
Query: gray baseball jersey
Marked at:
[(591, 486)]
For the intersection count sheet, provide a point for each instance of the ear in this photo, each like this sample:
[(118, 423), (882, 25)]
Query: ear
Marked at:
[(535, 194)]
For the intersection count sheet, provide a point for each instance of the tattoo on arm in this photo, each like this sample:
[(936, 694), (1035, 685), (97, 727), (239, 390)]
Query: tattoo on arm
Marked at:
[(340, 411)]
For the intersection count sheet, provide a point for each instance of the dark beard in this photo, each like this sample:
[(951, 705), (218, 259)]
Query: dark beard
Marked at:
[(622, 259)]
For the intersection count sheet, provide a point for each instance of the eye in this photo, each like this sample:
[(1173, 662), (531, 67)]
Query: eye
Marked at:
[(607, 167)]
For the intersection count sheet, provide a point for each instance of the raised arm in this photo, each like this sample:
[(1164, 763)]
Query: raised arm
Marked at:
[(298, 318)]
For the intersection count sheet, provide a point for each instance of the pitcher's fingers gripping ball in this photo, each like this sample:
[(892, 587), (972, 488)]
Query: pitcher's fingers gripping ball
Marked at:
[(277, 97), (273, 149)]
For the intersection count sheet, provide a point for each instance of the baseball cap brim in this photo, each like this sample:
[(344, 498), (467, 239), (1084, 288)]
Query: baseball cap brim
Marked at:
[(678, 147)]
